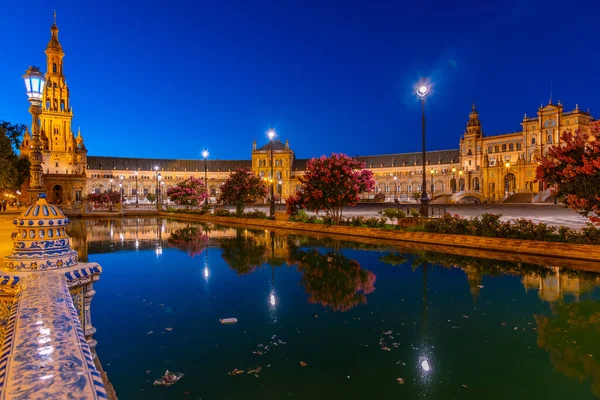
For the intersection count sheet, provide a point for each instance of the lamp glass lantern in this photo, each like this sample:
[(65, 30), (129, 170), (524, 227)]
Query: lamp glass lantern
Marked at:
[(34, 84)]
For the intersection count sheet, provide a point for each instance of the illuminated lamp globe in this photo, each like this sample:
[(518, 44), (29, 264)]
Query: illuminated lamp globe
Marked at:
[(34, 84)]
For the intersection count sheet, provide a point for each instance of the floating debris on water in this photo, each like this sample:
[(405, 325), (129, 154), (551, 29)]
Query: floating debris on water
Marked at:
[(255, 370), (236, 372), (169, 329), (302, 363), (168, 379), (150, 333), (228, 321), (400, 381)]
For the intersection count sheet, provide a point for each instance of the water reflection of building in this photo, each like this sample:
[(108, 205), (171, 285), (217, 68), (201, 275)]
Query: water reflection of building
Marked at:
[(553, 288), (474, 278)]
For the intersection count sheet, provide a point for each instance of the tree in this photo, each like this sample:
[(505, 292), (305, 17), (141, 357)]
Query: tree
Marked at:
[(103, 198), (190, 192), (330, 184), (151, 197), (572, 171), (14, 170), (242, 188)]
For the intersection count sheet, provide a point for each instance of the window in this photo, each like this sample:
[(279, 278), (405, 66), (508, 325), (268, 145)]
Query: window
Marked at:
[(54, 67), (511, 146), (496, 149), (490, 149), (532, 140), (469, 162), (504, 147), (519, 146), (549, 138), (262, 174), (278, 175), (56, 164), (409, 188)]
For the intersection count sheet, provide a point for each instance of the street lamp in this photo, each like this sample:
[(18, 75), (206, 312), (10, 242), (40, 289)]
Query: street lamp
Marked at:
[(121, 188), (507, 179), (454, 179), (280, 191), (432, 172), (271, 135), (205, 156), (34, 85), (460, 186), (137, 199), (422, 91), (395, 187), (111, 181), (156, 185)]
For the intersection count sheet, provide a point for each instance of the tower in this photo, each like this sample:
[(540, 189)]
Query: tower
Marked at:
[(64, 156)]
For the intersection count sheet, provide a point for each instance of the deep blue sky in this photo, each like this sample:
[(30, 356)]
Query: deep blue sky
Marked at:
[(168, 78)]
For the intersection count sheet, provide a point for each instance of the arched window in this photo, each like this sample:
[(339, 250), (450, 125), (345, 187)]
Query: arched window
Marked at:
[(511, 146), (278, 175), (54, 67), (532, 140), (496, 149), (518, 145), (504, 147), (32, 234), (409, 188), (262, 174), (490, 149), (470, 152), (62, 105), (549, 141)]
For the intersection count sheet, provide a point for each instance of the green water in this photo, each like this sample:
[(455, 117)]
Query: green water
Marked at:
[(325, 319)]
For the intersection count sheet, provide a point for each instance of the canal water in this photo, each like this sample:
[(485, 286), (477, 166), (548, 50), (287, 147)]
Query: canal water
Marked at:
[(330, 319)]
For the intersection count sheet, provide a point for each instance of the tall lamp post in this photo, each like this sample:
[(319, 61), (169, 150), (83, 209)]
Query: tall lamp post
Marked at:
[(158, 197), (395, 188), (280, 191), (271, 135), (34, 85), (121, 189), (454, 179), (156, 185), (460, 186), (111, 181), (507, 179), (137, 198), (422, 91), (205, 156), (432, 172)]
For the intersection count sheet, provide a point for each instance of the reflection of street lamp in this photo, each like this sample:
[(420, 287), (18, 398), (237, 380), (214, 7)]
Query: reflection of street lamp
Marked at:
[(422, 91), (34, 85), (271, 135)]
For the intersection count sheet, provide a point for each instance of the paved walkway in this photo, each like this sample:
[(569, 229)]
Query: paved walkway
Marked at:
[(551, 214)]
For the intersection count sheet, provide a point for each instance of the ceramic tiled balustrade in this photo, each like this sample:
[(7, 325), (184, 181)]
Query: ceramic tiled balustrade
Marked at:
[(45, 354)]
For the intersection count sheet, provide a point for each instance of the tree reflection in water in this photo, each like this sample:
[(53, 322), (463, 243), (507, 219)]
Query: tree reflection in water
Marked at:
[(192, 239), (333, 280), (243, 253), (571, 338)]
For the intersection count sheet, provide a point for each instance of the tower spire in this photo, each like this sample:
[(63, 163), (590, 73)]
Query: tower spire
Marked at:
[(54, 17), (550, 102)]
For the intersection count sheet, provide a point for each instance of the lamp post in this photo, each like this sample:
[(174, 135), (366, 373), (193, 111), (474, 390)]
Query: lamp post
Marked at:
[(137, 198), (34, 85), (395, 187), (454, 179), (271, 135), (432, 172), (111, 181), (121, 189), (205, 156), (507, 179), (460, 187), (156, 185), (422, 91), (280, 191)]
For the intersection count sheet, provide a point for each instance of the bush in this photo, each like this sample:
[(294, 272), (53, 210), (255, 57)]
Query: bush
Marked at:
[(357, 220), (222, 212), (375, 222), (490, 225), (256, 214), (299, 216), (379, 197)]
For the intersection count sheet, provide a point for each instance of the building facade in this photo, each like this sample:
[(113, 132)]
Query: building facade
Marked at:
[(484, 167)]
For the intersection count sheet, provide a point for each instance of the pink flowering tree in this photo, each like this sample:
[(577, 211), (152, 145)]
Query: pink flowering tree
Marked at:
[(330, 184), (190, 192), (572, 170), (242, 188)]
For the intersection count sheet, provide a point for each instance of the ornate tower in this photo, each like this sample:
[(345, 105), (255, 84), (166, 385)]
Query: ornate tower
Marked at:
[(64, 156)]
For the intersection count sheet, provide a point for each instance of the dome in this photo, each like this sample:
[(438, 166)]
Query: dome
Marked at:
[(41, 241)]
